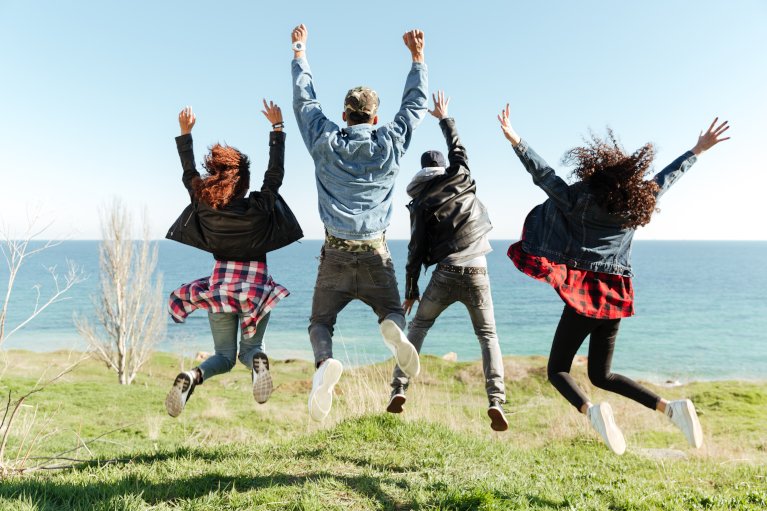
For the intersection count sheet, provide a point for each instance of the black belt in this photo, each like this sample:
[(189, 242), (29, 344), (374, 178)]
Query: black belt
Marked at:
[(463, 270)]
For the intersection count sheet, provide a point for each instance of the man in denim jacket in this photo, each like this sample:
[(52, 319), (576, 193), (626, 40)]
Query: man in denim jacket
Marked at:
[(355, 169)]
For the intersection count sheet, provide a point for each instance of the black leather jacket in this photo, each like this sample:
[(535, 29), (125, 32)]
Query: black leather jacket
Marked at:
[(446, 216), (236, 231)]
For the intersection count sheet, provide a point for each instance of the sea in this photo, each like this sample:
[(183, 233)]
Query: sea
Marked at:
[(701, 312)]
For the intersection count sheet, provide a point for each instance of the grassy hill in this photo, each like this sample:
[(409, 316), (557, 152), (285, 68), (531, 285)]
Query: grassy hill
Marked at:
[(227, 452)]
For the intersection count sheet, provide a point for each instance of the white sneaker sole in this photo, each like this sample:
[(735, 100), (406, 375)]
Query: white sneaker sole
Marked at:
[(691, 418), (612, 435), (321, 396), (404, 353), (174, 401), (262, 383)]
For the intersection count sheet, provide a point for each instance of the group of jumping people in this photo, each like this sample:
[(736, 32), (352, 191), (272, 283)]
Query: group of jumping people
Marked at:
[(578, 241)]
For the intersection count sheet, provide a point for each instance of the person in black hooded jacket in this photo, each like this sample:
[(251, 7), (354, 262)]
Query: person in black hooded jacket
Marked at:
[(449, 227)]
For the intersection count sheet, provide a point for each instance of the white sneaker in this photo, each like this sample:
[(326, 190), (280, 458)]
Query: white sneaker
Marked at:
[(601, 417), (682, 414), (404, 353), (180, 392), (261, 379), (321, 396)]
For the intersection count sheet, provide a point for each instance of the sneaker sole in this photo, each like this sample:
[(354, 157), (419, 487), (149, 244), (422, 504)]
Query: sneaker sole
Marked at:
[(395, 404), (498, 420), (262, 383), (613, 435), (691, 417), (404, 353), (174, 401), (321, 398)]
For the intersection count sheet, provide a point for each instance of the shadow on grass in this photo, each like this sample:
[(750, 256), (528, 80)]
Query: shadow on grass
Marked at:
[(47, 494), (87, 487)]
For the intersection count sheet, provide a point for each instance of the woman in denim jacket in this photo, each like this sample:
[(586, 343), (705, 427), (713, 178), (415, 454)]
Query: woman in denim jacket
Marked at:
[(579, 241)]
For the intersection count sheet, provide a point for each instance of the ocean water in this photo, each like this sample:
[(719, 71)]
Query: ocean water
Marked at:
[(701, 308)]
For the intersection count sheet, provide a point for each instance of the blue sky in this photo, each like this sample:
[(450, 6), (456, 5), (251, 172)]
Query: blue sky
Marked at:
[(91, 90)]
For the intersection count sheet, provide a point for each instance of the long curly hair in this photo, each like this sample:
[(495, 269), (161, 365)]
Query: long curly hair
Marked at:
[(228, 176), (615, 178)]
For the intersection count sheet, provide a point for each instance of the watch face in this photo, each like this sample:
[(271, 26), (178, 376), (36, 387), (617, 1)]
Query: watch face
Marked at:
[(298, 46)]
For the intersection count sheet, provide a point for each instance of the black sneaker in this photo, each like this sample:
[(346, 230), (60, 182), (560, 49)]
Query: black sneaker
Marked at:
[(262, 380), (183, 387), (497, 417), (397, 400)]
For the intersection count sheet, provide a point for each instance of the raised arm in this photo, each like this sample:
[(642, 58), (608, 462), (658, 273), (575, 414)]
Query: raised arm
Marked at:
[(414, 99), (312, 122), (276, 169), (671, 174), (186, 120), (456, 152), (543, 175)]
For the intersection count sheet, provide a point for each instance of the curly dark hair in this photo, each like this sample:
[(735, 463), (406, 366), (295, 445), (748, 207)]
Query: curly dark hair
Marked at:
[(615, 178), (228, 176)]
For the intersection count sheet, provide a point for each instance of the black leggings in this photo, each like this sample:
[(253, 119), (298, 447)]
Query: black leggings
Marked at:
[(571, 332)]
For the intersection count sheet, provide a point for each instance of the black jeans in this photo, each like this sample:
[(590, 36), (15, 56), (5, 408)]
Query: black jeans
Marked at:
[(571, 332)]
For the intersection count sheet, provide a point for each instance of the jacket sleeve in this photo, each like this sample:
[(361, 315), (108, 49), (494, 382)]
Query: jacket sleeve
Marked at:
[(186, 154), (312, 122), (276, 169), (414, 105), (456, 152), (544, 176), (416, 250), (671, 174)]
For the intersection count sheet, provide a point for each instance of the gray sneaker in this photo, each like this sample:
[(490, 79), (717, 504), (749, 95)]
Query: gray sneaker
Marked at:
[(601, 418), (180, 392), (396, 401), (682, 414), (262, 380)]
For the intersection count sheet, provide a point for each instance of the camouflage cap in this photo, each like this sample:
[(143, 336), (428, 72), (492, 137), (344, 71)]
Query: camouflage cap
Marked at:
[(363, 100)]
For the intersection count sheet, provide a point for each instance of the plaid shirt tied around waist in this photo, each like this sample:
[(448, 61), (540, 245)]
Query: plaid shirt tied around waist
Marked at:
[(592, 294), (234, 286)]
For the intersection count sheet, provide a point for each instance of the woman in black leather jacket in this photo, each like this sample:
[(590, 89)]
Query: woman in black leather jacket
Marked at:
[(223, 220)]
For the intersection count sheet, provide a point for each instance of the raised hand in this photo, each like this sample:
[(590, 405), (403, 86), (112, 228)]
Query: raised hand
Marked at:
[(711, 137), (299, 35), (414, 42), (273, 114), (186, 120), (508, 131), (440, 105)]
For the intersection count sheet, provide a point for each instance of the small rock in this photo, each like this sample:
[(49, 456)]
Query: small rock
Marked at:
[(450, 357)]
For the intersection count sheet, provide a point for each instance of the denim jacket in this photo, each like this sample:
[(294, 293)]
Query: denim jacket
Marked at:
[(355, 167), (571, 228)]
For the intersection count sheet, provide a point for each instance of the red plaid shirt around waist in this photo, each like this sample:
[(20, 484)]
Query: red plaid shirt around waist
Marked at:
[(234, 286), (592, 294)]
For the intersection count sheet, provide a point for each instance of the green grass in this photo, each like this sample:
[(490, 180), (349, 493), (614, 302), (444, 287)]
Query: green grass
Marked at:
[(226, 452)]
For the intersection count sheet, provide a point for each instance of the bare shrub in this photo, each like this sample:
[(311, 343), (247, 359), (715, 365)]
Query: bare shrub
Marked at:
[(16, 250), (129, 308)]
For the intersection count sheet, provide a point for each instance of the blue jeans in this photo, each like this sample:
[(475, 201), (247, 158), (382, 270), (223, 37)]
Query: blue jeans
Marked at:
[(223, 327), (346, 276), (473, 291)]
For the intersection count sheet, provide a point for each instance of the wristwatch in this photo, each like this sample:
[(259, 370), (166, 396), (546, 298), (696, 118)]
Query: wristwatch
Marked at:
[(299, 46)]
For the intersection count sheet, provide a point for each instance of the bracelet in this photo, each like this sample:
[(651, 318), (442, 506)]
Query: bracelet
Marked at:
[(278, 125)]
